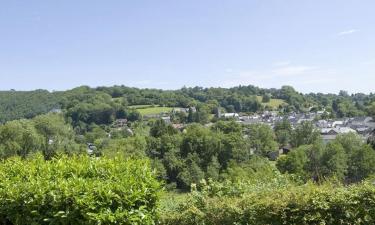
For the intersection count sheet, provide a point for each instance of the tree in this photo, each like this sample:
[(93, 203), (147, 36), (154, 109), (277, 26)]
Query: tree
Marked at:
[(20, 138), (191, 174), (371, 109), (304, 134), (134, 146), (58, 136), (227, 127), (261, 138), (283, 132), (213, 169), (160, 128), (266, 98), (295, 162), (190, 118), (314, 163), (334, 161), (361, 163), (351, 142), (371, 140)]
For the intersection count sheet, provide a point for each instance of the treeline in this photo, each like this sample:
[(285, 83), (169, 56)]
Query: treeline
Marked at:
[(108, 103), (26, 104), (347, 158)]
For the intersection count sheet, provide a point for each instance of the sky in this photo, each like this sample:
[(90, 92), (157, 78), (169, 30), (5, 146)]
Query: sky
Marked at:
[(315, 46)]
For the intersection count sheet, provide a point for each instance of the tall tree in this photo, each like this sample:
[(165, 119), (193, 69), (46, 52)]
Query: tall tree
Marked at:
[(304, 134)]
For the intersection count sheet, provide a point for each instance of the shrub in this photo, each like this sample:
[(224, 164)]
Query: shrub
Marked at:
[(77, 190), (301, 205)]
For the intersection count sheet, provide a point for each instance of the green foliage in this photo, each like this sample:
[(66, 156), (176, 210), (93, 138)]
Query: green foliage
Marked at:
[(294, 162), (347, 158), (304, 134), (334, 161), (134, 146), (300, 205), (58, 136), (19, 137), (160, 128), (283, 131), (47, 133), (198, 152), (262, 139), (26, 104), (371, 109), (266, 98), (77, 190)]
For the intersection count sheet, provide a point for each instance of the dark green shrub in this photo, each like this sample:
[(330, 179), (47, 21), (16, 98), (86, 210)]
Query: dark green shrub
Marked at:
[(77, 190)]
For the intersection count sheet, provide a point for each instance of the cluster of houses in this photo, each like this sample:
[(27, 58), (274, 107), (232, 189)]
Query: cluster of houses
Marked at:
[(363, 126), (329, 129)]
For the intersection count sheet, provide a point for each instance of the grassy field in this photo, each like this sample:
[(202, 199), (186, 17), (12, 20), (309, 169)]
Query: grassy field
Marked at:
[(142, 106), (151, 110), (274, 103)]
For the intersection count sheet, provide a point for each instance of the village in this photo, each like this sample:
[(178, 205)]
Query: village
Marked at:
[(329, 128)]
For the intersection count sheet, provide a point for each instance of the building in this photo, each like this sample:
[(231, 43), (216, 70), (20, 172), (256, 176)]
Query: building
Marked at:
[(231, 115), (120, 123), (330, 134)]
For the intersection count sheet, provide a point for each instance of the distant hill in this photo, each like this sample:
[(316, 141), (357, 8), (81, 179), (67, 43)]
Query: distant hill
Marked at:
[(26, 104)]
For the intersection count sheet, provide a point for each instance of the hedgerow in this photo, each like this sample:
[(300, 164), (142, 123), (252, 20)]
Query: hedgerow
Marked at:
[(300, 205), (77, 190)]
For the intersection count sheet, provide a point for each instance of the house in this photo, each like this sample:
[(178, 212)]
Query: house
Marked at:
[(330, 134), (339, 123), (56, 110), (301, 120), (184, 110), (247, 120), (361, 121), (167, 119), (120, 123), (322, 124), (231, 115)]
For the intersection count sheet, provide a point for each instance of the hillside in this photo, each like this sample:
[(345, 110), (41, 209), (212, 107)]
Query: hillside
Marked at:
[(26, 104)]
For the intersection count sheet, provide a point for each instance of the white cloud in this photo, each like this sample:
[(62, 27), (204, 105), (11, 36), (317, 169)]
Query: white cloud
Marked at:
[(292, 70), (347, 32)]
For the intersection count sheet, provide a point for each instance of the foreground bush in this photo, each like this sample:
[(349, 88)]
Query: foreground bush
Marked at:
[(77, 191), (303, 205)]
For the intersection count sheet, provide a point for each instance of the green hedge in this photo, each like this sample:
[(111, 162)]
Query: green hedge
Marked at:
[(77, 190), (305, 205)]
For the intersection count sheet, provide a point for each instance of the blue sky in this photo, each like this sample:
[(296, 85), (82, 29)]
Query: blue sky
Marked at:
[(315, 46)]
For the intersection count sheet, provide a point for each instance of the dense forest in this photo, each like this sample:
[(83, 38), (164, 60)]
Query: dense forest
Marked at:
[(118, 165)]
